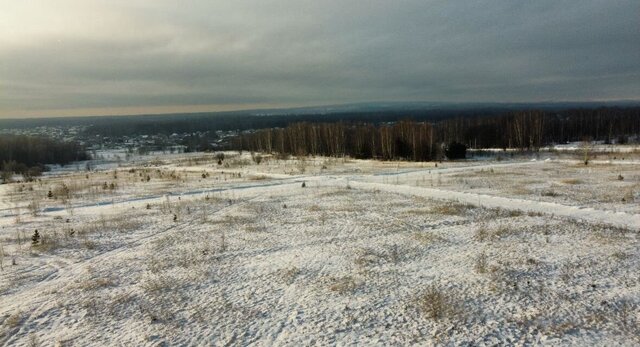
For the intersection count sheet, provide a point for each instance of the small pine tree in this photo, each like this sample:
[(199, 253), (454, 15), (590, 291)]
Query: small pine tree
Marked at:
[(50, 194), (304, 184), (35, 239)]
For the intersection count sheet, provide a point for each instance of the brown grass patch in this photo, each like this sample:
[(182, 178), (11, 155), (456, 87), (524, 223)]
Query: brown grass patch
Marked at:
[(572, 181), (14, 320), (436, 304), (427, 238), (484, 233), (257, 178), (97, 283), (343, 285), (452, 209)]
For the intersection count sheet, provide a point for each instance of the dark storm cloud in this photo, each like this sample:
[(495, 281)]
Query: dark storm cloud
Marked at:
[(110, 54)]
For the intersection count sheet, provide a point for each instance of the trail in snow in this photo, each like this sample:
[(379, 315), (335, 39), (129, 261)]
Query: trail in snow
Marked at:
[(275, 282), (618, 219)]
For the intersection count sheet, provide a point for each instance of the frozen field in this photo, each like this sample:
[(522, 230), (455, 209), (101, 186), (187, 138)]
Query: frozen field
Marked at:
[(179, 250)]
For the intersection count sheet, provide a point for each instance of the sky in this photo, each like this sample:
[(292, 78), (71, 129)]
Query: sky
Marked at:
[(98, 57)]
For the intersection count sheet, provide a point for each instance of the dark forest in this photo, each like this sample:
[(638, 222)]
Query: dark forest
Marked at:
[(421, 140), (27, 155)]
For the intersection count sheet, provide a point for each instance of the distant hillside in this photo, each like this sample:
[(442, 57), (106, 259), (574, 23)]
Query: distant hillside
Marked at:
[(375, 113)]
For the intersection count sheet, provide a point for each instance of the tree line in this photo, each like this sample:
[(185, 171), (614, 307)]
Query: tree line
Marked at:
[(420, 141), (529, 130), (405, 139), (28, 155)]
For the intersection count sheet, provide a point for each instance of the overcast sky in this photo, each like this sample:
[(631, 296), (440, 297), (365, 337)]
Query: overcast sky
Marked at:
[(91, 57)]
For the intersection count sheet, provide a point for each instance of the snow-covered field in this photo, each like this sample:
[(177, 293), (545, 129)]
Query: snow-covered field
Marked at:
[(178, 250)]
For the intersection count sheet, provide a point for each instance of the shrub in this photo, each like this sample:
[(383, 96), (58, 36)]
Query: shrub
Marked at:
[(435, 303), (257, 158)]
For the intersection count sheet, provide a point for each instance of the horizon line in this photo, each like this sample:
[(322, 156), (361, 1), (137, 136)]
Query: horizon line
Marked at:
[(273, 108)]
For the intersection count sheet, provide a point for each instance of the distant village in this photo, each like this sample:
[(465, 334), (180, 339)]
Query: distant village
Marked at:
[(139, 144)]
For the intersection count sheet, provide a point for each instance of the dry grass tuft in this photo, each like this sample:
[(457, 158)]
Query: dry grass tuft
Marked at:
[(334, 193), (255, 228), (549, 193), (484, 233), (368, 257), (257, 178), (481, 263), (97, 283), (14, 320), (427, 238), (520, 190), (436, 304), (290, 274), (314, 208), (620, 255), (234, 220), (343, 285), (158, 284), (572, 181), (452, 209)]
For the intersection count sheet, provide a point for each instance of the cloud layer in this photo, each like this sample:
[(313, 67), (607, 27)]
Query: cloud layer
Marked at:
[(114, 56)]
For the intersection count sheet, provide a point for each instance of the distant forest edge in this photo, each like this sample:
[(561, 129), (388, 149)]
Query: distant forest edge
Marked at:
[(419, 141), (167, 124), (191, 123), (27, 155), (417, 135)]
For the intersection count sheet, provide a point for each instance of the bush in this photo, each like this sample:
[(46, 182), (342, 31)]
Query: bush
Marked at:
[(257, 158), (436, 304), (6, 176)]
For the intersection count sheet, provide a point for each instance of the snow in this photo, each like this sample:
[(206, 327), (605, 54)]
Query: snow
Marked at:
[(242, 254)]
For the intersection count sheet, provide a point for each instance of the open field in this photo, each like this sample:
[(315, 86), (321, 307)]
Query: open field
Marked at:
[(181, 250)]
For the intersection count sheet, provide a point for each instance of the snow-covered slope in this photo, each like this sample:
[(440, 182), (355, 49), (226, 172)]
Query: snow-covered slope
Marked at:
[(366, 253)]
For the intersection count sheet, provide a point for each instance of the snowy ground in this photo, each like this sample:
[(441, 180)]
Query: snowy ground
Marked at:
[(178, 250)]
